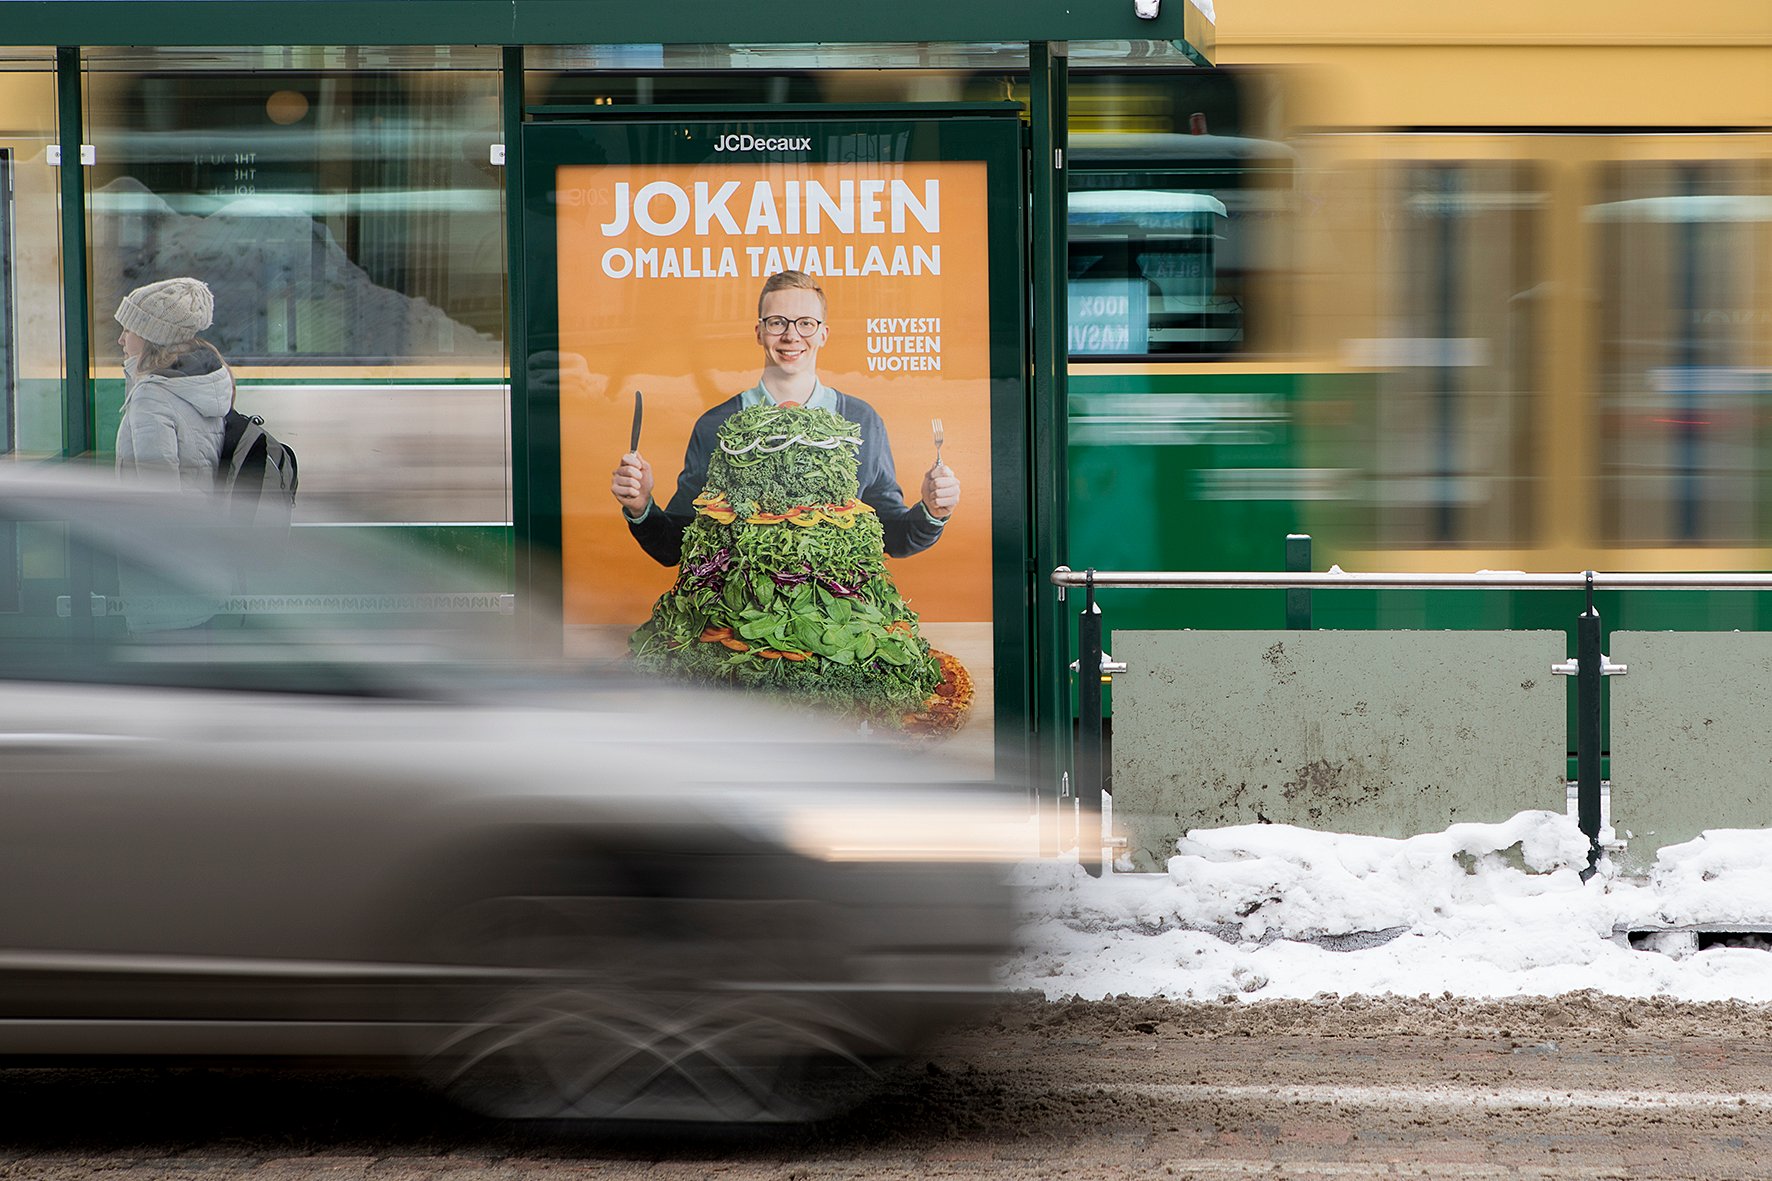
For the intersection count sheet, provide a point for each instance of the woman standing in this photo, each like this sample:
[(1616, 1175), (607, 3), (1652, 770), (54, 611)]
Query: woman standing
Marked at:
[(177, 387), (177, 394)]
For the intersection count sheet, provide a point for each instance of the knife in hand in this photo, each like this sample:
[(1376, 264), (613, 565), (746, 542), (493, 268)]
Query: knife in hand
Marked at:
[(634, 438)]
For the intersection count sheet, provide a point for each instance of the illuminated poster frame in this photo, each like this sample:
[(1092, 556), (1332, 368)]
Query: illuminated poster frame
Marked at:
[(647, 239)]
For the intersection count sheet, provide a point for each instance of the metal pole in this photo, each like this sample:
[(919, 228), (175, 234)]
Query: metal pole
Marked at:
[(1588, 678), (1298, 599), (536, 574), (1089, 834), (1049, 699), (77, 410)]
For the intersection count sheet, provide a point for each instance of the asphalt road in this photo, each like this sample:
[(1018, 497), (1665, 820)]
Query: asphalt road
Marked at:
[(1573, 1087)]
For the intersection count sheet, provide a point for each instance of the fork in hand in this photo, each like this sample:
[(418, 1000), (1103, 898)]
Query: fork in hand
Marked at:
[(936, 424)]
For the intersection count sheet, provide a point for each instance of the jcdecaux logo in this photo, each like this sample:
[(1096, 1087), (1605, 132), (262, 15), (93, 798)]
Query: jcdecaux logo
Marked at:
[(761, 143)]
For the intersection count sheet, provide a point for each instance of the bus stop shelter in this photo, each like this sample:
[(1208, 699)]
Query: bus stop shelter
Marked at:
[(512, 214)]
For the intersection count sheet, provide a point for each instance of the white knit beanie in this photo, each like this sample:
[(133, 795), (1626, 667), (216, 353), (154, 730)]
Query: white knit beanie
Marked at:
[(168, 312)]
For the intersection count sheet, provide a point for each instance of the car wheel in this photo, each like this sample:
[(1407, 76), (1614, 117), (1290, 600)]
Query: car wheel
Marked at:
[(607, 1003)]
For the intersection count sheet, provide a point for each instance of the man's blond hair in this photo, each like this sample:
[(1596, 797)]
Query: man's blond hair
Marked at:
[(793, 281)]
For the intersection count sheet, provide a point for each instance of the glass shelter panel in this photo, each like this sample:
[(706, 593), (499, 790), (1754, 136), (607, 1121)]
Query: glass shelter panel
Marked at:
[(344, 207)]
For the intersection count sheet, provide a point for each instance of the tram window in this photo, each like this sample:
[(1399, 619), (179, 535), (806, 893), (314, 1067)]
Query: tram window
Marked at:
[(1177, 215), (1682, 324), (1460, 250), (349, 216)]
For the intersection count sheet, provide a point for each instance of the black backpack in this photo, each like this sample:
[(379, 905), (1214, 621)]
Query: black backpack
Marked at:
[(257, 473)]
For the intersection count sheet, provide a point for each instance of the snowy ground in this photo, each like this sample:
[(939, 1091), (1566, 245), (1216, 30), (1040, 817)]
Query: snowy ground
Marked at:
[(1480, 910)]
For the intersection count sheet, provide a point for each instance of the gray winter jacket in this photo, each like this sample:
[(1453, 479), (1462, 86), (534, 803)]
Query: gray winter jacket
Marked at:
[(172, 421)]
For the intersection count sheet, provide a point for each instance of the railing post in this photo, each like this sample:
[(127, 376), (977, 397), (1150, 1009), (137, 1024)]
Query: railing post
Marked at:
[(78, 413), (1590, 666), (1588, 659), (1298, 599), (1089, 762), (1050, 701)]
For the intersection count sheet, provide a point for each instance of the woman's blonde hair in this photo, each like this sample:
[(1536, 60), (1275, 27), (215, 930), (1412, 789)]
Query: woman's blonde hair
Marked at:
[(159, 357)]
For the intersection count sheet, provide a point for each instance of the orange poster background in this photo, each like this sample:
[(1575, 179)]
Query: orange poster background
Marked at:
[(688, 344)]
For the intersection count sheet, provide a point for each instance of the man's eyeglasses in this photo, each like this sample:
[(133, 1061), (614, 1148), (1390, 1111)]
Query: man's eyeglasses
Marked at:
[(777, 325)]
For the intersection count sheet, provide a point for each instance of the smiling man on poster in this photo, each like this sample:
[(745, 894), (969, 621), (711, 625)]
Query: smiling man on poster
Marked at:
[(791, 328)]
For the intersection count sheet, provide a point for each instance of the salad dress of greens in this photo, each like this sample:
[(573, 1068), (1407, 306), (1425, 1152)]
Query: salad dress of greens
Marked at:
[(783, 583)]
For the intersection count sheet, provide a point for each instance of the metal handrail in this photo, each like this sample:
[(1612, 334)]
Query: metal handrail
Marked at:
[(1065, 577), (1589, 667)]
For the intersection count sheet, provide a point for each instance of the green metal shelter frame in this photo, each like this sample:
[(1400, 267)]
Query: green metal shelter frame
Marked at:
[(1043, 27), (585, 22)]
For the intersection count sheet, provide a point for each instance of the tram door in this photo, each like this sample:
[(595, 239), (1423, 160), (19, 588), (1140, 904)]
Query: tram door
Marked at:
[(649, 241)]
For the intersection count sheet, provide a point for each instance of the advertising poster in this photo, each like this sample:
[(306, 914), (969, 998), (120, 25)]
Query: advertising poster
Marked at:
[(819, 520)]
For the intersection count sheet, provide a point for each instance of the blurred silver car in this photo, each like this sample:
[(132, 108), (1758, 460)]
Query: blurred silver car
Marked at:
[(271, 793)]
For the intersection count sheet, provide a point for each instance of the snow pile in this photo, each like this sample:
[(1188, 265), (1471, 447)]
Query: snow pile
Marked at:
[(1724, 878), (1480, 910)]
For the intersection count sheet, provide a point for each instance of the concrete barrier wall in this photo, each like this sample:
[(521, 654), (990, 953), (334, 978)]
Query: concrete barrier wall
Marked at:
[(1387, 733), (1691, 736)]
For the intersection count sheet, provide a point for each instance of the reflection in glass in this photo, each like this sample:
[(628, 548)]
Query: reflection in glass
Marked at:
[(346, 216), (342, 204)]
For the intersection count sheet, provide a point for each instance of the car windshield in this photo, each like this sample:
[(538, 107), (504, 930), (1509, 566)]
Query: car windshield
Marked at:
[(102, 583)]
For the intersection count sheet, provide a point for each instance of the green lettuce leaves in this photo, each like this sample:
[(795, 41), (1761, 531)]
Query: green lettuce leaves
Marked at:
[(810, 612)]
